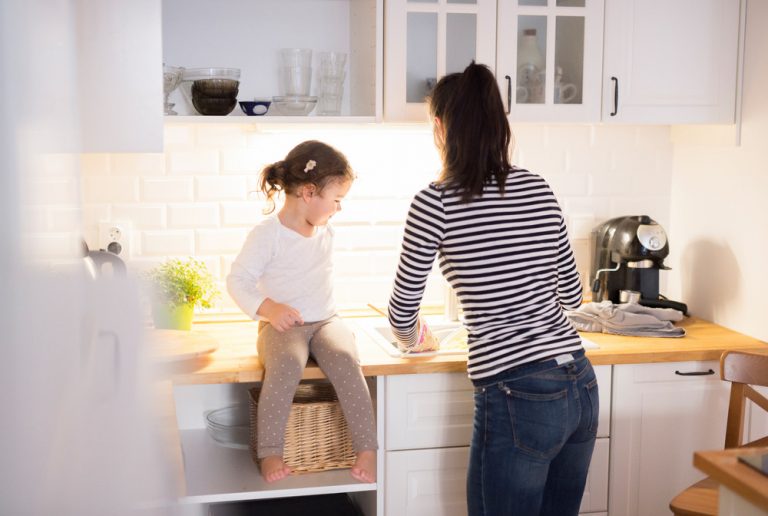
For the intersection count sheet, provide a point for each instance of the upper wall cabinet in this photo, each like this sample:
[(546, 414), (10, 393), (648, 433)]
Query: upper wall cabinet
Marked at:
[(120, 75), (249, 35), (670, 62), (427, 39), (550, 59)]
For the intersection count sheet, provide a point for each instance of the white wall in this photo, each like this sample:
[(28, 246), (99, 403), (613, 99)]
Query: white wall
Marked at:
[(719, 204), (194, 199)]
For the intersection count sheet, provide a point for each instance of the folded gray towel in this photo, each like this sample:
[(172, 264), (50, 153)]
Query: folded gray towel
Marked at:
[(626, 319)]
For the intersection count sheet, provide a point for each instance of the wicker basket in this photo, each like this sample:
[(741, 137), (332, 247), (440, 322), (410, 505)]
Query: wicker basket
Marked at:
[(316, 436)]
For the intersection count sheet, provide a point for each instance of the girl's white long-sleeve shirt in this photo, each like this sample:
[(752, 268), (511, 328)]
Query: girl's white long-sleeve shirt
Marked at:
[(509, 260), (286, 267)]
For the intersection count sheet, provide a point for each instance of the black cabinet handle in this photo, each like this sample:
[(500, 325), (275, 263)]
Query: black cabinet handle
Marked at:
[(615, 96), (509, 93), (696, 373)]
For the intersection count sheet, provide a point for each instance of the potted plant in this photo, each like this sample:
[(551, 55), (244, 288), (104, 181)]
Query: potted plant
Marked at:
[(177, 288)]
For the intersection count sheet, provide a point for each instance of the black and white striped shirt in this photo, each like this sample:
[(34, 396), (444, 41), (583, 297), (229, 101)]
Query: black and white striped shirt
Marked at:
[(510, 262)]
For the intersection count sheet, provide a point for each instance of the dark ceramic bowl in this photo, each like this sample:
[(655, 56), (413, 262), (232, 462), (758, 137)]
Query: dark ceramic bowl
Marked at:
[(218, 88), (212, 106), (255, 107)]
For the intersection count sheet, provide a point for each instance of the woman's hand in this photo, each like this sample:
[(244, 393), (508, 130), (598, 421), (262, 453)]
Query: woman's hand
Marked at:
[(281, 317), (426, 339)]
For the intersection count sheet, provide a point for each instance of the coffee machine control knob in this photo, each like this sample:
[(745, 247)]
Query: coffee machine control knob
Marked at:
[(652, 236)]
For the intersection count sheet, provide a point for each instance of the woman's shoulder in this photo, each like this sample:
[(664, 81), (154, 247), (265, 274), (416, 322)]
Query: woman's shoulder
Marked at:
[(519, 176)]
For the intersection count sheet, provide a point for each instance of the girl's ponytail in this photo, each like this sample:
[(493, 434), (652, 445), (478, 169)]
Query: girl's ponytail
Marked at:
[(272, 181)]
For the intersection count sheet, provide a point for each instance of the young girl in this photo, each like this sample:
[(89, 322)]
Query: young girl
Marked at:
[(503, 246), (282, 277)]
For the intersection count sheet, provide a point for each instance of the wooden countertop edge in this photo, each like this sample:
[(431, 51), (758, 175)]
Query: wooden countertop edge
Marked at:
[(724, 467), (236, 360)]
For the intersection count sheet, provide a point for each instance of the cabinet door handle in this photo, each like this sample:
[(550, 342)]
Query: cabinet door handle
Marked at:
[(615, 96), (509, 93), (696, 373)]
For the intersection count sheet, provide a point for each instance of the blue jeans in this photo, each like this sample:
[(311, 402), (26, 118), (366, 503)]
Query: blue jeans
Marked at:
[(534, 432)]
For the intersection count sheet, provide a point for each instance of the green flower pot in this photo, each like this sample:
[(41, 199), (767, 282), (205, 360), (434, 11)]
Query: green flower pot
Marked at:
[(173, 317)]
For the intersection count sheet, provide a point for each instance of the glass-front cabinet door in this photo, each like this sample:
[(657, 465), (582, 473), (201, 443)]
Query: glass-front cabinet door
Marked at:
[(549, 59), (427, 39)]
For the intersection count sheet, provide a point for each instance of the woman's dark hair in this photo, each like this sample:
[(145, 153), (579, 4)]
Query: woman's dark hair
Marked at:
[(310, 162), (476, 130)]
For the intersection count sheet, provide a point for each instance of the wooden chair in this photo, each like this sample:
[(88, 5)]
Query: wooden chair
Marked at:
[(743, 370)]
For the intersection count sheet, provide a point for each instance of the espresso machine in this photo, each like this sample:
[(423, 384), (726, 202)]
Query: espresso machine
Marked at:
[(628, 253)]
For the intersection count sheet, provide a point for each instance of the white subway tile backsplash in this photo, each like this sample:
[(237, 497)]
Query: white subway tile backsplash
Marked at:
[(220, 188), (611, 136), (607, 183), (210, 241), (569, 136), (544, 161), (167, 189), (246, 213), (51, 245), (143, 216), (530, 136), (64, 218), (95, 164), (110, 189), (170, 242), (372, 210), (52, 191), (243, 161), (178, 136), (196, 215), (568, 184), (584, 160), (199, 197), (369, 237), (221, 136), (196, 161), (138, 164), (55, 165)]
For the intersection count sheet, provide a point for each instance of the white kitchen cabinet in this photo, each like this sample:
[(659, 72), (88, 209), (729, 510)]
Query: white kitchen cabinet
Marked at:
[(248, 35), (662, 413), (427, 39), (428, 427), (119, 75), (670, 62), (549, 59)]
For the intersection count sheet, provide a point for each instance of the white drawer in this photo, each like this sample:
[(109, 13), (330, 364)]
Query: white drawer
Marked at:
[(428, 411), (419, 482), (435, 410)]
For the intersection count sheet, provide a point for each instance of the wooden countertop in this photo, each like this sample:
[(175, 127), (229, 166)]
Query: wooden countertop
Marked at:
[(236, 361), (724, 467)]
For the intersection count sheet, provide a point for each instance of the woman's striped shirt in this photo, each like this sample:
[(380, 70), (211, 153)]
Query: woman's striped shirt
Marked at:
[(510, 262)]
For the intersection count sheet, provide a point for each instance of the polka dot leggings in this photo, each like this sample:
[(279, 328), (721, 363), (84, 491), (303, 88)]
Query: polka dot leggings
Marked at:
[(284, 356)]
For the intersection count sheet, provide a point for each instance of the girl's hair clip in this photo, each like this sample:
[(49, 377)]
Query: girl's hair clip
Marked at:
[(311, 164)]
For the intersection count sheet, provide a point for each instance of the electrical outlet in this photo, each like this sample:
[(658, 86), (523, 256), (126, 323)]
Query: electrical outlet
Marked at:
[(116, 237)]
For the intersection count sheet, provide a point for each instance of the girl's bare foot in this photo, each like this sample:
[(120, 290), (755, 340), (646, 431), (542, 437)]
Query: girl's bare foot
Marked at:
[(364, 468), (273, 468)]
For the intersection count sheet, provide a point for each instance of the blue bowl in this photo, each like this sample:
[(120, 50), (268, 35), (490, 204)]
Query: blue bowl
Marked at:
[(255, 107)]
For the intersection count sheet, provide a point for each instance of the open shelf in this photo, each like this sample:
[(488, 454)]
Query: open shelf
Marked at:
[(268, 119), (215, 473)]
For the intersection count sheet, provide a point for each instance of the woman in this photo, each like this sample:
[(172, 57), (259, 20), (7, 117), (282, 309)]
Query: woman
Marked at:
[(503, 246)]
